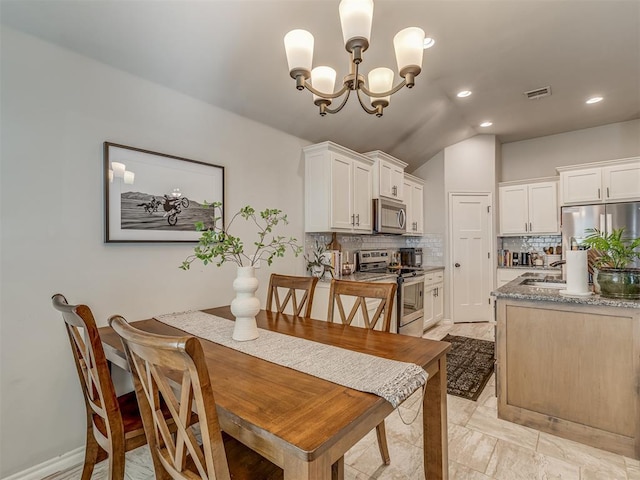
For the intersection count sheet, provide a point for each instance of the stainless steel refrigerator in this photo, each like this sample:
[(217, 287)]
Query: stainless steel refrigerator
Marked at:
[(606, 217)]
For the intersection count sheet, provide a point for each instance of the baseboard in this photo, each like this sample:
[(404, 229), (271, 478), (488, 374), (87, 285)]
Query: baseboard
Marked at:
[(51, 466)]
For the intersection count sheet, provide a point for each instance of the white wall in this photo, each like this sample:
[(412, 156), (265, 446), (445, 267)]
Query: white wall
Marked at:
[(434, 195), (539, 157), (57, 110)]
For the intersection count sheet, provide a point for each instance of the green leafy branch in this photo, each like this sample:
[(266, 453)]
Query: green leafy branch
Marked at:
[(613, 251), (217, 243)]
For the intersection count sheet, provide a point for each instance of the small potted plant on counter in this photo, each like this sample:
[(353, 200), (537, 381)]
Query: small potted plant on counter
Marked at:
[(613, 255), (318, 261)]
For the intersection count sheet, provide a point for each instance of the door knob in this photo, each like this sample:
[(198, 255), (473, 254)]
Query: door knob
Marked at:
[(456, 265)]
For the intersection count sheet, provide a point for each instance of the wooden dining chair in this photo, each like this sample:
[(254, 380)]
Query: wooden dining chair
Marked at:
[(361, 291), (114, 425), (295, 286), (173, 369)]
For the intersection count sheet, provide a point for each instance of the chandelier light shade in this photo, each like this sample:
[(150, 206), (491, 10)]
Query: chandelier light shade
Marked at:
[(356, 17), (380, 80), (299, 47), (323, 79)]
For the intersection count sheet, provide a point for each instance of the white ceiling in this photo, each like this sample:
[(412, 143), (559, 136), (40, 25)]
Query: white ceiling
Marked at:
[(231, 54)]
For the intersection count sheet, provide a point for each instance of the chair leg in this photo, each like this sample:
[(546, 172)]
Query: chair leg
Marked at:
[(116, 459), (90, 454), (382, 443)]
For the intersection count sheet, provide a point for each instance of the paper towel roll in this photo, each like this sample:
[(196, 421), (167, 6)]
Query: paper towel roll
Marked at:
[(577, 273)]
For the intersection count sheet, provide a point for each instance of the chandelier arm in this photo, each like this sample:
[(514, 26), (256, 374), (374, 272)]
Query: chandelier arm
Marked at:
[(339, 107), (385, 94), (327, 96), (364, 107)]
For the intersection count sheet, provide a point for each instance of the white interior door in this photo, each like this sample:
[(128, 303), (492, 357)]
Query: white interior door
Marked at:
[(470, 222)]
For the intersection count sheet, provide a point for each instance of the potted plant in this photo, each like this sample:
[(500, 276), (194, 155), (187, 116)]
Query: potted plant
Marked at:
[(318, 262), (614, 254), (218, 245)]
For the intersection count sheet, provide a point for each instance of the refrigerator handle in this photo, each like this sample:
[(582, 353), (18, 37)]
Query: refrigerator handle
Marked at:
[(609, 223), (602, 225)]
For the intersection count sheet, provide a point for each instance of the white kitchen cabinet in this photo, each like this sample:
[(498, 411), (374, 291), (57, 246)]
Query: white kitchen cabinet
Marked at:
[(388, 176), (338, 189), (433, 298), (600, 182), (529, 208), (414, 200), (621, 183)]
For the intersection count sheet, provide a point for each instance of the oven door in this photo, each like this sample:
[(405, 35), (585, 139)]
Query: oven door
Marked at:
[(410, 303)]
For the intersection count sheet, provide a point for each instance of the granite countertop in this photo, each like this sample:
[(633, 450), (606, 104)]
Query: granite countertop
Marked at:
[(515, 290)]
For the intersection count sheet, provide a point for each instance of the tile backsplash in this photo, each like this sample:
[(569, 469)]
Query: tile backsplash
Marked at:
[(432, 244), (528, 244)]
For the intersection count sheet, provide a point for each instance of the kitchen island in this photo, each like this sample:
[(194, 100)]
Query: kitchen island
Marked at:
[(569, 366)]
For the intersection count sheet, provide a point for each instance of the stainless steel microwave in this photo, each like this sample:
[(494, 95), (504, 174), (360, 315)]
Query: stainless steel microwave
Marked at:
[(389, 216)]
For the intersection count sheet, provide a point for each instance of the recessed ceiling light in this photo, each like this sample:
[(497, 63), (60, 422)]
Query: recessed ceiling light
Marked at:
[(428, 42), (486, 124), (464, 93), (594, 100)]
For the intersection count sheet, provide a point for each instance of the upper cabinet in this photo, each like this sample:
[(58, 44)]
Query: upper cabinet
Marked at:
[(414, 199), (388, 176), (338, 189), (529, 208), (602, 182)]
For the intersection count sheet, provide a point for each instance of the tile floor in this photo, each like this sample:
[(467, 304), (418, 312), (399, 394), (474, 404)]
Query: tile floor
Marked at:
[(481, 447)]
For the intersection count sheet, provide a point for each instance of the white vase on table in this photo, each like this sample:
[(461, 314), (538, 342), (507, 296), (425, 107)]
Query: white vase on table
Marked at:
[(246, 305)]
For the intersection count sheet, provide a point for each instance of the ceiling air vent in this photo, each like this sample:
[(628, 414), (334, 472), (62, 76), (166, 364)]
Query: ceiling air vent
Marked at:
[(538, 93)]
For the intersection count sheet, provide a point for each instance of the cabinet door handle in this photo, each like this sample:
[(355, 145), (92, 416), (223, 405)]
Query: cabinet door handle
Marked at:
[(530, 227), (358, 220), (353, 219), (608, 193), (598, 194), (525, 227)]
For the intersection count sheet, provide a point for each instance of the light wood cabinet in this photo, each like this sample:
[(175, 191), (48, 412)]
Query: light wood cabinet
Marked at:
[(529, 208), (571, 370), (338, 189), (414, 200), (388, 176), (601, 182)]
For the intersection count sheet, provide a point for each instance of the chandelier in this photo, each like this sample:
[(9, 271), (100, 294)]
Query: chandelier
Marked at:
[(355, 17)]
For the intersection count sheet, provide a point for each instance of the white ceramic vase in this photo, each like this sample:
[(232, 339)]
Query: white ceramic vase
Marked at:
[(246, 305)]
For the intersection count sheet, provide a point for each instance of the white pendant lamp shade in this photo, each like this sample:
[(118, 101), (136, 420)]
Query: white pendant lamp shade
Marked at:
[(409, 46), (380, 81), (118, 169), (129, 177), (356, 17), (323, 79), (299, 47)]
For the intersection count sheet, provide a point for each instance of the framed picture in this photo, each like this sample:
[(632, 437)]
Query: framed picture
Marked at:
[(154, 197)]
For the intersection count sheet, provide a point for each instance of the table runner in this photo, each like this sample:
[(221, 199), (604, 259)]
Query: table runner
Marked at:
[(390, 379)]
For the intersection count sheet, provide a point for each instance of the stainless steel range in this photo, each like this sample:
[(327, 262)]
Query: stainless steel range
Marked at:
[(410, 296)]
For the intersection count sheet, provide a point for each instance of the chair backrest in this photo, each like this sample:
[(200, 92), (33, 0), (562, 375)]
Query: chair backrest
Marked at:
[(99, 394), (362, 291), (173, 370), (295, 286)]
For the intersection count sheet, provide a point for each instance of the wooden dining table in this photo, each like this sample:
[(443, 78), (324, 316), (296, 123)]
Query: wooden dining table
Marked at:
[(300, 422)]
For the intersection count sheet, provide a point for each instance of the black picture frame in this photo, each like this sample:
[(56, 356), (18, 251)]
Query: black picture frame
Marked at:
[(155, 197)]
